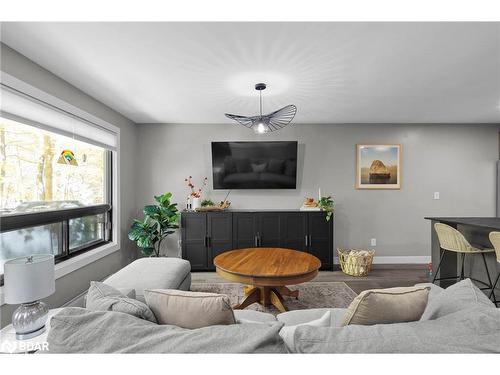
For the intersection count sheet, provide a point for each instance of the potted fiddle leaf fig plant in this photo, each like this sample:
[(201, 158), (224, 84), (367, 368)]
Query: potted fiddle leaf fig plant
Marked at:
[(160, 220)]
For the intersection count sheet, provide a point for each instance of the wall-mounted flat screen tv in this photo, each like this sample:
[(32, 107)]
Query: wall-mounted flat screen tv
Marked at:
[(254, 165)]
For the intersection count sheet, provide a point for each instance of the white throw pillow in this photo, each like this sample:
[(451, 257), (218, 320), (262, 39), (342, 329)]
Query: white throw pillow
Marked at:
[(287, 333)]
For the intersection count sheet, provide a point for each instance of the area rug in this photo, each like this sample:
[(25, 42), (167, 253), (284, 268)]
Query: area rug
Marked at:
[(311, 295)]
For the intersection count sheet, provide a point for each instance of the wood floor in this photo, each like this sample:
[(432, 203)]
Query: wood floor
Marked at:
[(382, 276)]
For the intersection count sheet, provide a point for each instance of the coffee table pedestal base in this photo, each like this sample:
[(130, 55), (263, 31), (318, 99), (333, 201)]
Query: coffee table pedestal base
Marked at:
[(266, 295)]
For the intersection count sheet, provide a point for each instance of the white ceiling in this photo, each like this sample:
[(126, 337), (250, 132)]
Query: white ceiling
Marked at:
[(333, 72)]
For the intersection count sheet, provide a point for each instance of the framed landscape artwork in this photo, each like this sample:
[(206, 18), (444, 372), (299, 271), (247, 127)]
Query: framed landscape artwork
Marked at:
[(378, 166)]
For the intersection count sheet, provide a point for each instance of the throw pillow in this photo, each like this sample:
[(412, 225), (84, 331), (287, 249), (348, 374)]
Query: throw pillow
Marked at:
[(128, 292), (287, 333), (242, 165), (276, 166), (189, 309), (259, 167), (229, 165), (290, 168), (456, 297), (102, 297), (383, 306)]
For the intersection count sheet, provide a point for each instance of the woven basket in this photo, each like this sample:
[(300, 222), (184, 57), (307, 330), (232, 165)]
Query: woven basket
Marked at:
[(356, 262)]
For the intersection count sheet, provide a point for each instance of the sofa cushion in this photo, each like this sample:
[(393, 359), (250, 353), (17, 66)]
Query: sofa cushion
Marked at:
[(473, 330), (149, 273), (128, 292), (189, 309), (391, 305), (287, 333), (434, 290), (456, 297), (77, 330), (252, 316), (102, 297), (296, 317)]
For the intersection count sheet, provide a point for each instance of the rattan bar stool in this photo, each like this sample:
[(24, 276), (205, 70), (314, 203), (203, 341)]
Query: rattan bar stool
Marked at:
[(451, 239), (495, 240)]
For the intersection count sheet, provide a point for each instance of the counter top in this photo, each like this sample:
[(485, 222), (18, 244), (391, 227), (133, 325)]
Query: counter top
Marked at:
[(483, 222)]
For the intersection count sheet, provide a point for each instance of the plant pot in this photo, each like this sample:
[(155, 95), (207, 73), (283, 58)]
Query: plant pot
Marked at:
[(195, 203)]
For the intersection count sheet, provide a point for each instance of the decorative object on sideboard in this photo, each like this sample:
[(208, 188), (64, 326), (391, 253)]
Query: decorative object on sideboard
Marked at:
[(159, 221), (195, 194), (266, 123), (27, 281), (310, 205), (378, 166), (326, 204), (208, 206), (207, 203), (355, 262)]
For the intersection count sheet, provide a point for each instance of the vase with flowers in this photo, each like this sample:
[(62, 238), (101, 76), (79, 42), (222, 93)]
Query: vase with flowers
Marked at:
[(195, 194)]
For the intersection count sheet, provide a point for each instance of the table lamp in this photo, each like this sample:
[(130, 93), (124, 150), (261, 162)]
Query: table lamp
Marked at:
[(27, 280)]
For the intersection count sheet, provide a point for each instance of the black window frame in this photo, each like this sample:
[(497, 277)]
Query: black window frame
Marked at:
[(11, 222)]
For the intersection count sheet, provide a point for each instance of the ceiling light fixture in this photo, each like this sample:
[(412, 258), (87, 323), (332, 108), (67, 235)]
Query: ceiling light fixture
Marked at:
[(266, 123)]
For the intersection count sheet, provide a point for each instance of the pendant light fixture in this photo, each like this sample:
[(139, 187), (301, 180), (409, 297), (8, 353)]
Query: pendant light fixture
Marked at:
[(266, 123)]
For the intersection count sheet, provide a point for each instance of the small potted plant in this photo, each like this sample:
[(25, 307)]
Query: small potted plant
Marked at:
[(326, 204), (207, 203), (195, 194)]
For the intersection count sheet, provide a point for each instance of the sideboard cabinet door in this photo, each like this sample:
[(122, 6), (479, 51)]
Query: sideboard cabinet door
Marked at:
[(194, 233), (294, 230), (244, 230), (220, 235), (268, 229), (321, 238)]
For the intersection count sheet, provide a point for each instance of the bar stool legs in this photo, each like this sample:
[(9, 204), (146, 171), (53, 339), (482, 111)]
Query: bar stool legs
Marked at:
[(492, 294), (487, 286), (490, 284), (439, 266)]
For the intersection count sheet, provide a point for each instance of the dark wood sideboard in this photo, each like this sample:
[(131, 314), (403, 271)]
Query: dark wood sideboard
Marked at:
[(207, 234)]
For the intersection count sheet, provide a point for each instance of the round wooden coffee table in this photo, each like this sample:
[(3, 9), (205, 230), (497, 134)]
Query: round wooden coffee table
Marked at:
[(267, 271)]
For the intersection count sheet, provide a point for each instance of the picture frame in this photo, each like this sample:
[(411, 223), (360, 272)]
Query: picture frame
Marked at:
[(378, 166)]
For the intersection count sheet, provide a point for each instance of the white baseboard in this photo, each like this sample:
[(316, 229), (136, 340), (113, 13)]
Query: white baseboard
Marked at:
[(397, 260)]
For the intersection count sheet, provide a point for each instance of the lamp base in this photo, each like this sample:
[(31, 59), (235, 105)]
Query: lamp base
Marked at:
[(29, 319), (30, 335)]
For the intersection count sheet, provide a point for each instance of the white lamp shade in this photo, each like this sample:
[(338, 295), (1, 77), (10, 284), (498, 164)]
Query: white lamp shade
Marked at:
[(29, 281)]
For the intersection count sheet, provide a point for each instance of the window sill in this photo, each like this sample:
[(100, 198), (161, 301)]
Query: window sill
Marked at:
[(65, 267)]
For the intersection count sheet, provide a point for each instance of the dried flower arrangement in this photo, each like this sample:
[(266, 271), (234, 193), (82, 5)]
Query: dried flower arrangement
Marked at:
[(195, 193)]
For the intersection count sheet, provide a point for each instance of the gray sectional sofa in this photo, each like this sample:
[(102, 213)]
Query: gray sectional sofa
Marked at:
[(459, 319)]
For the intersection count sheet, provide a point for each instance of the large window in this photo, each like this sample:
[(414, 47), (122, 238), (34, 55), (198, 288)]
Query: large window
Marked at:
[(51, 202)]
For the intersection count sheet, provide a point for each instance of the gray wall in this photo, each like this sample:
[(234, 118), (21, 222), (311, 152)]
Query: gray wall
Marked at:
[(74, 283), (459, 161)]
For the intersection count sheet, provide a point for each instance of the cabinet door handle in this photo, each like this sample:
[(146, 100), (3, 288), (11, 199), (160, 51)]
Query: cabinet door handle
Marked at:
[(256, 241), (209, 241), (310, 240), (307, 240), (205, 241)]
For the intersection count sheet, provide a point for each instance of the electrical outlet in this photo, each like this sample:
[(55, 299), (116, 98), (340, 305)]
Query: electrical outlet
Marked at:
[(373, 242), (436, 195)]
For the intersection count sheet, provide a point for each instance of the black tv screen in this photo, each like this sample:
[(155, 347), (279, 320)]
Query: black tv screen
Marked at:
[(254, 165)]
